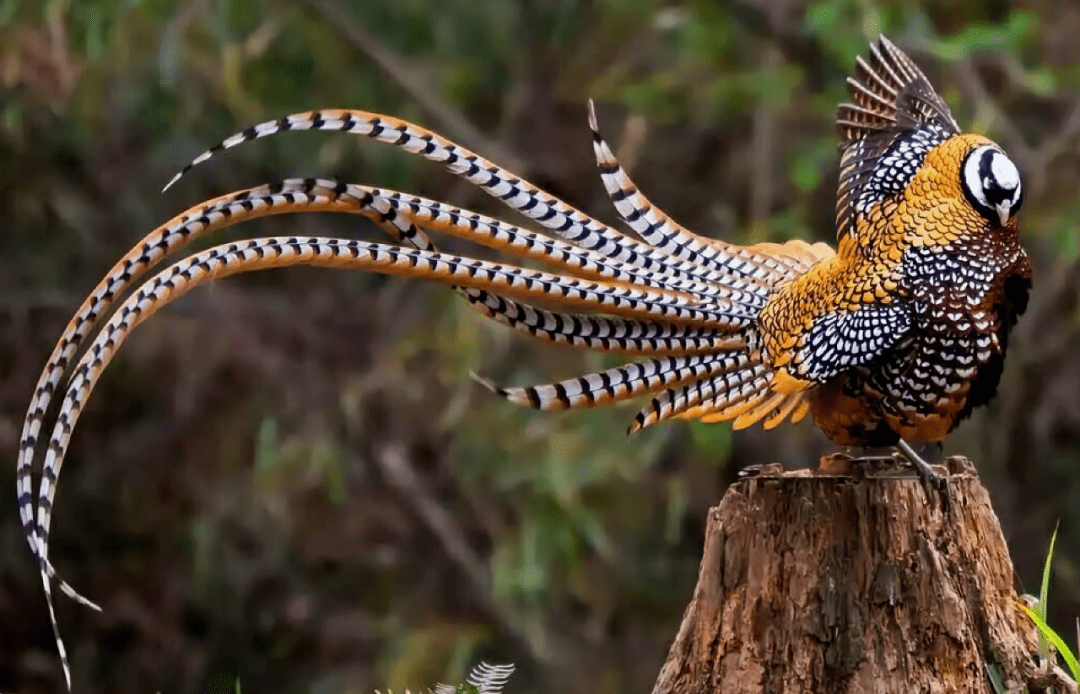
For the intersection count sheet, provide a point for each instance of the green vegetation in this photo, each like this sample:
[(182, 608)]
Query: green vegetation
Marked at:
[(291, 476), (1049, 641)]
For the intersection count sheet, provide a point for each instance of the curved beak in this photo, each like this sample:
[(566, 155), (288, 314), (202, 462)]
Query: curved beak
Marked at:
[(1004, 210)]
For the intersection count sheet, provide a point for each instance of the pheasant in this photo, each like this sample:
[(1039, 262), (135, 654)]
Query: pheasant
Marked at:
[(894, 336)]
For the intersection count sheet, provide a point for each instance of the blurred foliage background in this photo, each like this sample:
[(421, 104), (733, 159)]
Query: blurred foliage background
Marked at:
[(290, 478)]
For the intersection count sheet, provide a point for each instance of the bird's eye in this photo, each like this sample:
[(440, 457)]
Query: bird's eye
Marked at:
[(991, 183)]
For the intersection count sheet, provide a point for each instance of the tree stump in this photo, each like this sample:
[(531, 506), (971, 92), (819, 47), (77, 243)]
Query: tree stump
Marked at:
[(846, 579)]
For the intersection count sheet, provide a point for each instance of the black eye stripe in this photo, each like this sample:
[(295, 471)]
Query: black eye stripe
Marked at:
[(993, 191), (986, 171)]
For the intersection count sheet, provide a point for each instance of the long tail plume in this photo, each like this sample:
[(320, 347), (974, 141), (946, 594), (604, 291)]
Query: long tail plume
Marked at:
[(687, 303)]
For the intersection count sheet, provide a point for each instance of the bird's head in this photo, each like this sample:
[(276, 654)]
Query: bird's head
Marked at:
[(991, 183), (965, 186)]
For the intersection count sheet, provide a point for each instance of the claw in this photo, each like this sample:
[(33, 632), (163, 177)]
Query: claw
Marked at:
[(930, 478)]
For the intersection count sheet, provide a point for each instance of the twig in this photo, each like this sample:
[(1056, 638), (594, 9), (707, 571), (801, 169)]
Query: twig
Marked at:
[(449, 119), (395, 465)]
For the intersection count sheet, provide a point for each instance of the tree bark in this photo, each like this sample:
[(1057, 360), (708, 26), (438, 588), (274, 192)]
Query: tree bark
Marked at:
[(844, 579)]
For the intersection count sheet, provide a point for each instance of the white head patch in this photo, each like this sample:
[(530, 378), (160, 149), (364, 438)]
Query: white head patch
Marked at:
[(1002, 169)]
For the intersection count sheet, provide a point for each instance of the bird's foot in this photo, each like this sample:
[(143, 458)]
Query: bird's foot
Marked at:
[(930, 478)]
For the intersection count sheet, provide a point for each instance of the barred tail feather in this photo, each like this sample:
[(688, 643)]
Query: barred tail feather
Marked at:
[(601, 333), (255, 254), (687, 402), (620, 383), (584, 331), (170, 237), (520, 195), (739, 268), (499, 235), (395, 213), (724, 406)]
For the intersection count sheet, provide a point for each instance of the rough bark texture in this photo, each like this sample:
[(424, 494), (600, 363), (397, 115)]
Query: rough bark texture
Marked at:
[(843, 579)]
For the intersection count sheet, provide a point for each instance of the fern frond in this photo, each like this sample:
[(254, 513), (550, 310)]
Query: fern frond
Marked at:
[(484, 679)]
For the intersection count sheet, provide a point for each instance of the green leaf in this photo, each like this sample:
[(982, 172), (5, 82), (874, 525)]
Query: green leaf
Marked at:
[(1044, 590), (1059, 644)]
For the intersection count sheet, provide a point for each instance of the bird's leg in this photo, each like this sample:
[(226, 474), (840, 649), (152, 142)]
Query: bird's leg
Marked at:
[(926, 473)]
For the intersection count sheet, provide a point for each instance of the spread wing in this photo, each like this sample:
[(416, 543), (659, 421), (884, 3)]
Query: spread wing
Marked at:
[(894, 111)]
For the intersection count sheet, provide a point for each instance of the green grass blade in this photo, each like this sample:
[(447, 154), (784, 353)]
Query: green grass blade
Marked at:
[(1044, 592), (1044, 589), (1059, 644)]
